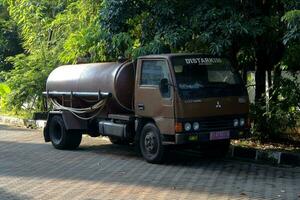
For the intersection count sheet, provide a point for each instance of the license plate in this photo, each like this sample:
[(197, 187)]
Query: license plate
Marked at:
[(219, 135)]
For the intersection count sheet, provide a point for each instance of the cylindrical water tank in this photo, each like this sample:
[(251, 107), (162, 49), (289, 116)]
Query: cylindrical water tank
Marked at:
[(115, 78)]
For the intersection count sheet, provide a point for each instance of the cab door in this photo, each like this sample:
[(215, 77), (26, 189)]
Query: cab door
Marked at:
[(151, 100)]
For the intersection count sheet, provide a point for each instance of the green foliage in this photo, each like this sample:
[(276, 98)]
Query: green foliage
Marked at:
[(4, 91), (292, 39), (27, 79), (53, 33), (249, 33), (207, 26), (282, 112), (10, 43), (79, 26), (292, 19)]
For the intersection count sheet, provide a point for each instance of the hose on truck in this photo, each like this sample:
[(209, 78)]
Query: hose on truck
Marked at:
[(98, 107)]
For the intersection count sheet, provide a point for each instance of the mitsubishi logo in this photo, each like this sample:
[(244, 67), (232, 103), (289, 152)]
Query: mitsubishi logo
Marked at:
[(218, 105)]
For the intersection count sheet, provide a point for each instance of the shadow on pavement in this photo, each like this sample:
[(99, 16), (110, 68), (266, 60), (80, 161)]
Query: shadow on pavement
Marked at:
[(9, 128), (7, 195), (111, 164), (182, 156)]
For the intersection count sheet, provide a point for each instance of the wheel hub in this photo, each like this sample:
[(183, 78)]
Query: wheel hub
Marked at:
[(57, 133), (150, 142)]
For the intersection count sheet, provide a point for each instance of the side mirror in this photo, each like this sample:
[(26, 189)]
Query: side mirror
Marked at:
[(164, 86)]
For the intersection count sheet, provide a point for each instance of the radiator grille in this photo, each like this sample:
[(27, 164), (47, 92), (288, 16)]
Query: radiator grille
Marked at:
[(216, 124)]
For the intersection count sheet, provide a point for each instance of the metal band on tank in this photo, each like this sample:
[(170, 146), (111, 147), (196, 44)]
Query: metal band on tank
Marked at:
[(115, 78)]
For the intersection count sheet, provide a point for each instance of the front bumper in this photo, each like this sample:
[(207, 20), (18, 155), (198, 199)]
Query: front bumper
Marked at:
[(190, 138)]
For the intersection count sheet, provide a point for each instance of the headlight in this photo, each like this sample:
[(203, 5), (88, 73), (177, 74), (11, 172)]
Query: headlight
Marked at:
[(242, 122), (196, 126), (187, 126), (235, 122)]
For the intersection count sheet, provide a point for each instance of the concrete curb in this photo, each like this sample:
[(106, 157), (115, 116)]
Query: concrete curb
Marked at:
[(28, 123), (270, 157), (266, 156)]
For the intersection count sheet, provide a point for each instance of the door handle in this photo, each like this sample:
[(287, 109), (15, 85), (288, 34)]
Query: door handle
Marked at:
[(141, 106)]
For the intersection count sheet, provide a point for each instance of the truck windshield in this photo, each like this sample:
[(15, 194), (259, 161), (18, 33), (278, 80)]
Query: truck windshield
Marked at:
[(206, 77)]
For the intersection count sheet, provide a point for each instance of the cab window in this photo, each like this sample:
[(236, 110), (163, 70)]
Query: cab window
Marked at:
[(153, 71)]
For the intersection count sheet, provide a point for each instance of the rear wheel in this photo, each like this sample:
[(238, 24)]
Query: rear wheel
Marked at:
[(60, 137), (151, 144)]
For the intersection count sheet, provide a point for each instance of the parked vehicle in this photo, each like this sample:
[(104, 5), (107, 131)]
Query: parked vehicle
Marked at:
[(153, 102)]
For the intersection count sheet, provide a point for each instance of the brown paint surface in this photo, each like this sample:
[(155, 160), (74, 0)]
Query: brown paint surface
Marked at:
[(115, 78), (207, 107), (155, 106)]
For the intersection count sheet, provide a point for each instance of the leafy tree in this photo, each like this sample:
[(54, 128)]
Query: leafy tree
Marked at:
[(53, 33), (261, 34), (4, 91), (248, 32), (79, 25), (10, 43), (292, 39)]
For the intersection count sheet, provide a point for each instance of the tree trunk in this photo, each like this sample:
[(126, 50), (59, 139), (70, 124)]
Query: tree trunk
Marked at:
[(245, 75), (276, 81), (260, 84), (260, 89)]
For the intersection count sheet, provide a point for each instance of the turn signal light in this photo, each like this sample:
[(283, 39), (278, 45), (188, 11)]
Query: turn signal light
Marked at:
[(242, 122), (178, 127), (235, 123), (187, 126)]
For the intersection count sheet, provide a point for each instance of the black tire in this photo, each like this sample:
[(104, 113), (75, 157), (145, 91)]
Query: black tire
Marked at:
[(118, 141), (151, 144), (60, 137), (216, 149)]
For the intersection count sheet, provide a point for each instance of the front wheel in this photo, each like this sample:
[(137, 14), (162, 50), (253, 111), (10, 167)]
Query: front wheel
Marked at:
[(151, 144), (62, 138)]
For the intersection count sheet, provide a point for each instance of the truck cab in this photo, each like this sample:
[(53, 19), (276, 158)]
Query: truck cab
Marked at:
[(192, 99)]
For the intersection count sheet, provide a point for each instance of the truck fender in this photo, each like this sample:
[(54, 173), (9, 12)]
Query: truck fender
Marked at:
[(71, 122)]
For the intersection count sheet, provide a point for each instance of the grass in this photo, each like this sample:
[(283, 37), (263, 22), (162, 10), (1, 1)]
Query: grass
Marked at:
[(268, 146)]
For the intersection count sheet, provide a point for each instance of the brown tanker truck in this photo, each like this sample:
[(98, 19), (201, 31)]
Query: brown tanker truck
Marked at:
[(153, 102)]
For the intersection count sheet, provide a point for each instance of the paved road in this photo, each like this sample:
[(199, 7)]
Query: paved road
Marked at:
[(31, 169)]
